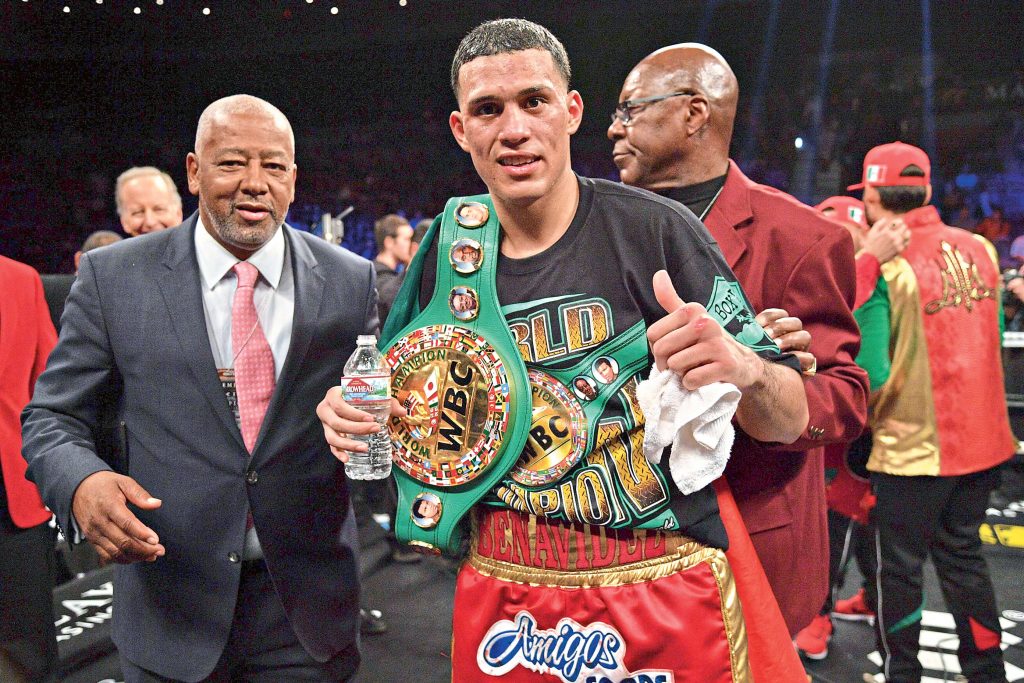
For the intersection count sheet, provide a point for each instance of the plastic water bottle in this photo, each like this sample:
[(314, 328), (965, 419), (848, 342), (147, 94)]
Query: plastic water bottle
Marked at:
[(367, 386)]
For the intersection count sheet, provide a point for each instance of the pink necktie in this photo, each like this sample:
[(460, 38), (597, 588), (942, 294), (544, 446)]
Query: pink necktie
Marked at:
[(254, 363)]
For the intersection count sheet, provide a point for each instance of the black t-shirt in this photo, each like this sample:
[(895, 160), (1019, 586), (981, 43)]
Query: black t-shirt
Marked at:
[(587, 289), (388, 282)]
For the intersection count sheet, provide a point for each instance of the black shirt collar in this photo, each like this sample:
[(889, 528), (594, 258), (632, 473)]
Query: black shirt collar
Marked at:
[(697, 198)]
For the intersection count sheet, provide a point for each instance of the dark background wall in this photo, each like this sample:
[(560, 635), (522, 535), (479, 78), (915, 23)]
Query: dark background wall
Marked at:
[(87, 93)]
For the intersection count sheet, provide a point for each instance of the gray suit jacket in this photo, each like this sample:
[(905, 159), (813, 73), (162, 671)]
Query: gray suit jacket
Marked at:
[(135, 338)]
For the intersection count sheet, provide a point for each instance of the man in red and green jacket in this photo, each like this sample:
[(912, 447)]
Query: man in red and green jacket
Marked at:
[(939, 421)]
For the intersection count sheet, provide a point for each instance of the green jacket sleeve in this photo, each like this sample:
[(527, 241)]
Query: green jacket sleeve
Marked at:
[(1001, 313), (873, 318)]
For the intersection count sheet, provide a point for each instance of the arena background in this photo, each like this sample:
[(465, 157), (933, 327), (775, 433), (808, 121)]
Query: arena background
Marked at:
[(92, 90)]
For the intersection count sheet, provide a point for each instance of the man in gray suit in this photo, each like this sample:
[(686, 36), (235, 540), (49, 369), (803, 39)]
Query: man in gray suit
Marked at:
[(228, 514)]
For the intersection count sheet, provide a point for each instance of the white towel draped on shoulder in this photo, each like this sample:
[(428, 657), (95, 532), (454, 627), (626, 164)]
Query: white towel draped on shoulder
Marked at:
[(697, 424)]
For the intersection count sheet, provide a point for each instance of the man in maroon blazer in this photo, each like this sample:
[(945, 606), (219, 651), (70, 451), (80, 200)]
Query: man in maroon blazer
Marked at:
[(28, 645), (672, 130)]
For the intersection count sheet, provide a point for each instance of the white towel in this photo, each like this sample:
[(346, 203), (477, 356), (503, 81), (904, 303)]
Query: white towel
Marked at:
[(697, 424)]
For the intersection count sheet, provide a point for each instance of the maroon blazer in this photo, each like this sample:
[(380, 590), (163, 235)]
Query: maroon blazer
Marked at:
[(787, 255), (26, 339)]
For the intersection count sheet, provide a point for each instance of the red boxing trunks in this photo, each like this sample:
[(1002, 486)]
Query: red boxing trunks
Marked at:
[(544, 601)]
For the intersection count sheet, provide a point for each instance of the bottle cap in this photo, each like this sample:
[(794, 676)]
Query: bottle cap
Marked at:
[(364, 339)]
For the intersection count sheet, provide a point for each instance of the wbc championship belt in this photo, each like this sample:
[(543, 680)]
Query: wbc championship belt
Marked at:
[(457, 372)]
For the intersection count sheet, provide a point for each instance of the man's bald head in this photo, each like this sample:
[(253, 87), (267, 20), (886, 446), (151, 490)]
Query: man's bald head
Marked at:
[(243, 171), (683, 139), (692, 66), (245, 105)]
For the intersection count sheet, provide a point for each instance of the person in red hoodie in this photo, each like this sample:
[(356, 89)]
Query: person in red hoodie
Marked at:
[(28, 643), (873, 245)]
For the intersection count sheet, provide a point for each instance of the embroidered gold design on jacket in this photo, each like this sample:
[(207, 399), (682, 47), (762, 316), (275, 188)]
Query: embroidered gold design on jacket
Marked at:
[(961, 283)]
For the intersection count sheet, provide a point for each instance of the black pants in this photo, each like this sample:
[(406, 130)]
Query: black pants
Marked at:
[(937, 516), (28, 639), (262, 647), (377, 496), (846, 539)]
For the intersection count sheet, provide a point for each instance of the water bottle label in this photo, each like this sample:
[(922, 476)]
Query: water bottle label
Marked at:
[(366, 388)]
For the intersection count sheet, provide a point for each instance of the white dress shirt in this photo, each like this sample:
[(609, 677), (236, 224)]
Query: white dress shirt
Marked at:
[(274, 296), (274, 299)]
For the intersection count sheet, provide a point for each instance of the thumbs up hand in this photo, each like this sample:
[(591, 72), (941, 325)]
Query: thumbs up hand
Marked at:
[(694, 345)]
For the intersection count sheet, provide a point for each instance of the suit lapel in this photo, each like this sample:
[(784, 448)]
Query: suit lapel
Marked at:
[(309, 291), (181, 287), (730, 212)]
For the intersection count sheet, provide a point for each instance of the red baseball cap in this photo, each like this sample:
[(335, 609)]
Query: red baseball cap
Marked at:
[(883, 165), (847, 209)]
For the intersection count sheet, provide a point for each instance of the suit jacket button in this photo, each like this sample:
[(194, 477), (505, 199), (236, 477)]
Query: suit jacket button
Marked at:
[(234, 558), (252, 476)]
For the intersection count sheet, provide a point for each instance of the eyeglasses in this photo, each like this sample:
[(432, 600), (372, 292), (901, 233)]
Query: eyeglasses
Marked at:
[(624, 111)]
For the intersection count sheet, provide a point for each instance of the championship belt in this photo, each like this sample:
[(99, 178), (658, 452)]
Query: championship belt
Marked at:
[(568, 403), (457, 371)]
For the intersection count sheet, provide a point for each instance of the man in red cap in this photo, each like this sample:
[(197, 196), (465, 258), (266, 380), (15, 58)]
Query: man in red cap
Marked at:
[(848, 491), (932, 466)]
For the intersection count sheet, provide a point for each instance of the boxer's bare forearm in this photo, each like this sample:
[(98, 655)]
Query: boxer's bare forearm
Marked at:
[(774, 408)]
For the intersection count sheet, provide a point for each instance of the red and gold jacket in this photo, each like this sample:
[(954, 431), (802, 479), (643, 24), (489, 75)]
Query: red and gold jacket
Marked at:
[(942, 411)]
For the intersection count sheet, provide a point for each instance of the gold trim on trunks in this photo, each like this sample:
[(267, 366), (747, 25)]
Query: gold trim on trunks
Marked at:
[(732, 615), (621, 575)]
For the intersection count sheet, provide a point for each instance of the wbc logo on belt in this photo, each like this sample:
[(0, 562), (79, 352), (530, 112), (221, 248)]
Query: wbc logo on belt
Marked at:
[(558, 433), (455, 391)]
